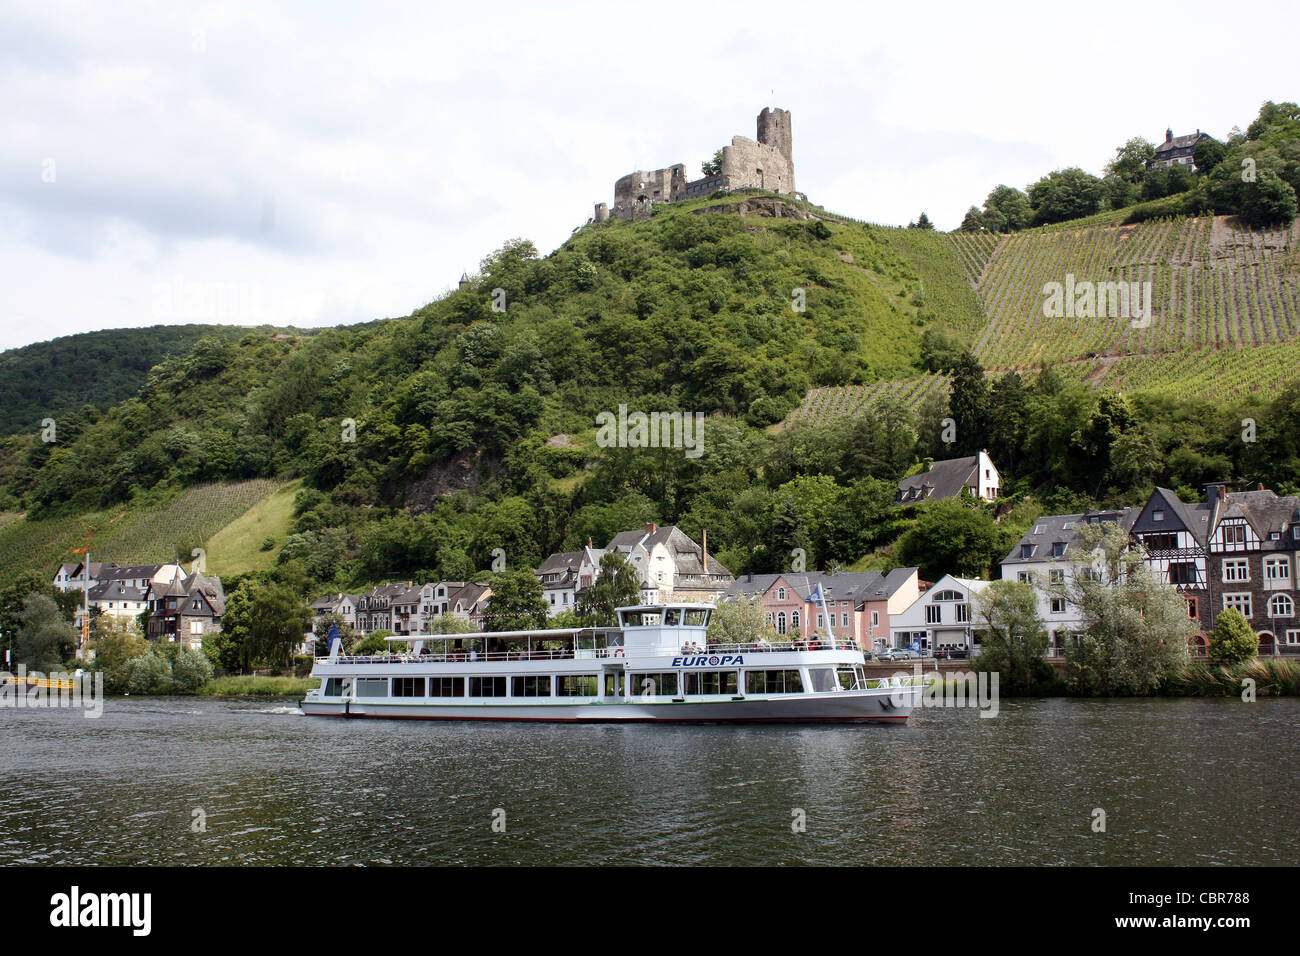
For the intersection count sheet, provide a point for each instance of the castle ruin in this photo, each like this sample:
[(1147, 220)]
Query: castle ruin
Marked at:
[(766, 164)]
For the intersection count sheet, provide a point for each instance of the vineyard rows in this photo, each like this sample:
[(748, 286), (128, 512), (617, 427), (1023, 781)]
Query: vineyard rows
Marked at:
[(1213, 287), (824, 404), (126, 534)]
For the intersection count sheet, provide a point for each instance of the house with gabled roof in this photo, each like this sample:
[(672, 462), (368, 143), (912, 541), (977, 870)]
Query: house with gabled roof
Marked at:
[(565, 574), (859, 603), (974, 475), (1253, 548), (1178, 150), (1047, 557), (672, 567), (184, 610)]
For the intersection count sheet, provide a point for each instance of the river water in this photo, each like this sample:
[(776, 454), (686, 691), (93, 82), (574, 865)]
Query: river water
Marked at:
[(1181, 782)]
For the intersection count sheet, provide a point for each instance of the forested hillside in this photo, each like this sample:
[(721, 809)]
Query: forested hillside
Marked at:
[(99, 369)]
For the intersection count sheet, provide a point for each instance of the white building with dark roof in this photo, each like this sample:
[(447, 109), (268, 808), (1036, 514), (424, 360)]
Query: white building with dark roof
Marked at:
[(672, 567), (1048, 557), (975, 475)]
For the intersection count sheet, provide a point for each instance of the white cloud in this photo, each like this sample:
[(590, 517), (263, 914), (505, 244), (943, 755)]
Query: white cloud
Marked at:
[(349, 164)]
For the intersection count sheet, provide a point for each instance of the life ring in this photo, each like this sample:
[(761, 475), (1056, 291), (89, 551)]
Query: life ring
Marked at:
[(618, 652)]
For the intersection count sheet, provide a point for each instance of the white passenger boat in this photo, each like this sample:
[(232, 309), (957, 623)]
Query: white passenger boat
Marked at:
[(655, 666)]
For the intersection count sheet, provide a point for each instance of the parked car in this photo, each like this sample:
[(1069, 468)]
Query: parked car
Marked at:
[(898, 654)]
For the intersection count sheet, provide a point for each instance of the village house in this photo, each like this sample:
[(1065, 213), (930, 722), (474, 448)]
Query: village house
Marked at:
[(944, 616), (672, 567), (859, 603), (186, 609), (564, 574), (1048, 556), (975, 475)]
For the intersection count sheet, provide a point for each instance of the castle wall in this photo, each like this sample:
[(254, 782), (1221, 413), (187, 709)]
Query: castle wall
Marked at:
[(636, 192), (750, 165)]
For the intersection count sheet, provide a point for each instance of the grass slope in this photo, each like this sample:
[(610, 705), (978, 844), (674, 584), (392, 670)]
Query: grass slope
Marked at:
[(238, 546), (140, 533)]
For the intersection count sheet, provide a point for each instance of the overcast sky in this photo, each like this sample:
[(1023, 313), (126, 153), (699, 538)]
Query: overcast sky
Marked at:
[(314, 164)]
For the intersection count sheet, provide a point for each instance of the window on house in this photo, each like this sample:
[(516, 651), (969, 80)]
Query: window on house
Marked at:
[(844, 620), (1027, 550), (1277, 571), (875, 618), (1281, 605), (794, 620), (934, 614), (1182, 572), (1058, 605), (780, 594), (1024, 577), (1239, 601), (1157, 515), (1056, 576), (1293, 636), (780, 622), (963, 613), (1193, 608), (1058, 549), (1236, 569)]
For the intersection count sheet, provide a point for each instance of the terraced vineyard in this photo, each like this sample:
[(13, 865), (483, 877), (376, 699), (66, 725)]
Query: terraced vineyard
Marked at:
[(823, 404), (1225, 310), (126, 534), (1213, 287)]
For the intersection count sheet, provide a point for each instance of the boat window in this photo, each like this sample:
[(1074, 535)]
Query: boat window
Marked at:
[(848, 677), (531, 686), (612, 684), (408, 686), (576, 685), (712, 682), (773, 682), (653, 685), (672, 617), (372, 686), (697, 617), (337, 686), (487, 687), (446, 687), (822, 680)]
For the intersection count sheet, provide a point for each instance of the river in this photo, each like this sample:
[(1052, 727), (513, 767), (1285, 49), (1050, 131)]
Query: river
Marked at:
[(202, 781)]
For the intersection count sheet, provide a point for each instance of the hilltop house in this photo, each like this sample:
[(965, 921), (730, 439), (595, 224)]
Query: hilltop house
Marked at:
[(1177, 150), (941, 617), (975, 475)]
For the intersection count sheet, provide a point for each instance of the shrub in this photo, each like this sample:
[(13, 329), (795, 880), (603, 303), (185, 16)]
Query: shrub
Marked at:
[(1232, 640)]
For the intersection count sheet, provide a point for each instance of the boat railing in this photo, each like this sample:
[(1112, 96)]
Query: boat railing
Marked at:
[(568, 654), (760, 647)]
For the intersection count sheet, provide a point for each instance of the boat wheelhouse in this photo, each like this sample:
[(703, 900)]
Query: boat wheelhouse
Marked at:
[(656, 665)]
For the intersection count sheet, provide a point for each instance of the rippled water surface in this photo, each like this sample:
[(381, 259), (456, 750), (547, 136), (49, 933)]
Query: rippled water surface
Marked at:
[(1180, 781)]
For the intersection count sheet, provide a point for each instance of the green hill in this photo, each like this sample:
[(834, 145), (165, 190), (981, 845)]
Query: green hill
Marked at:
[(423, 443), (95, 369)]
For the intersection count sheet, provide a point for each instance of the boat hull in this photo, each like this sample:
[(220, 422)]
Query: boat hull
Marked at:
[(885, 706)]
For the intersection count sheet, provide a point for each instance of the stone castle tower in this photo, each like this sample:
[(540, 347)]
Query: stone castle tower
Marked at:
[(765, 163)]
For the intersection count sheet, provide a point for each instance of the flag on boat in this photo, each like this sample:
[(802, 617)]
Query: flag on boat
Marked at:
[(331, 637)]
